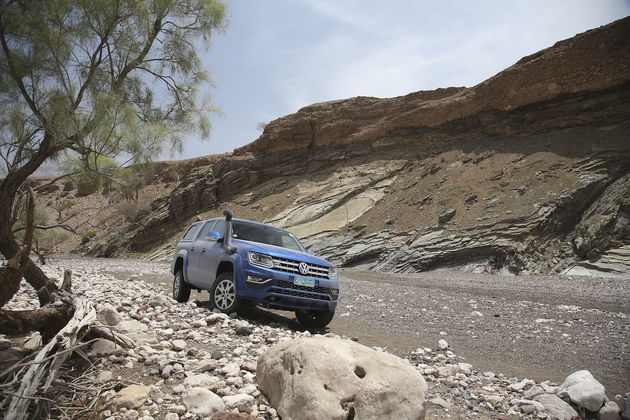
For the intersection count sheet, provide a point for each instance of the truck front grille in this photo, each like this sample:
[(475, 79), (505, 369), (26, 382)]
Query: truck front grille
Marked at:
[(291, 266), (289, 285), (290, 289)]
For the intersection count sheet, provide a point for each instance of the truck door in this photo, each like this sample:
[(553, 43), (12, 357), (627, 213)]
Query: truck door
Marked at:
[(211, 252), (205, 255), (196, 254)]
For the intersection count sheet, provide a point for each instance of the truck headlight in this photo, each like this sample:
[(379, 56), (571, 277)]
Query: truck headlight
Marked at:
[(332, 273), (262, 260)]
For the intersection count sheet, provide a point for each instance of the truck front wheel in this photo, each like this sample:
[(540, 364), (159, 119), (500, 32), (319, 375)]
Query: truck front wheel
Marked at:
[(314, 319), (181, 290), (223, 294)]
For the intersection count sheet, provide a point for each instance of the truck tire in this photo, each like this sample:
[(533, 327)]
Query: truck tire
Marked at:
[(181, 290), (314, 319), (223, 294)]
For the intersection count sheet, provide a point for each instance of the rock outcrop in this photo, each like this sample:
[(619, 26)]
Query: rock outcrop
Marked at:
[(527, 171), (321, 377)]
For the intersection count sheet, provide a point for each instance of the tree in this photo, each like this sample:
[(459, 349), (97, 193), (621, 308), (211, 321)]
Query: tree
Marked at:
[(96, 78)]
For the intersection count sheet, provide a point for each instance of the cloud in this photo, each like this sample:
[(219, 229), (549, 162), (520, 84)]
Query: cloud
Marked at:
[(390, 49), (280, 55)]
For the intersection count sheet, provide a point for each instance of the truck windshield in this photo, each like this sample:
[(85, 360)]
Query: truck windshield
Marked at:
[(265, 234)]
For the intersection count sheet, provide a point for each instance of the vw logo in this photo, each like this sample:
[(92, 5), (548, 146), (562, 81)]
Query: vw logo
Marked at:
[(303, 267)]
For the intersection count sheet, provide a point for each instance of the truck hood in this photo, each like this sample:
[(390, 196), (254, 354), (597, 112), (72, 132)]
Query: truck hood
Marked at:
[(277, 251)]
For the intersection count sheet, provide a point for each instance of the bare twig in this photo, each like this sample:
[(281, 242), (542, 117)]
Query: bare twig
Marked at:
[(40, 227), (44, 360), (29, 398), (84, 316), (39, 188)]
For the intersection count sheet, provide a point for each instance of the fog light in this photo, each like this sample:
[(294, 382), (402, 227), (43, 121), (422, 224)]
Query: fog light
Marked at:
[(334, 292), (256, 279)]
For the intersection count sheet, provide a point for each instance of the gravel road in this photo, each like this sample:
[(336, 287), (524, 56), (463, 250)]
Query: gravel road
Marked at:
[(537, 327)]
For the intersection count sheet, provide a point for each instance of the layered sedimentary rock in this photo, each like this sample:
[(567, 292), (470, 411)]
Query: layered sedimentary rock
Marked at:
[(527, 170)]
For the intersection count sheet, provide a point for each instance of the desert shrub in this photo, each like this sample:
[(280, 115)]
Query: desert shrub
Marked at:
[(47, 239), (66, 204), (129, 210), (43, 239), (85, 238), (88, 183), (173, 174), (40, 218)]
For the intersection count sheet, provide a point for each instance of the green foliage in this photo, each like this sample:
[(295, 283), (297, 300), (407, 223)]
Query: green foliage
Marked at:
[(102, 78), (40, 218), (85, 238), (92, 172), (174, 174), (88, 183), (66, 204)]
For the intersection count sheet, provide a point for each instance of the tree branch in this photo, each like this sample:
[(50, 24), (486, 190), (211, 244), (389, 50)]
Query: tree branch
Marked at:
[(17, 79), (48, 227)]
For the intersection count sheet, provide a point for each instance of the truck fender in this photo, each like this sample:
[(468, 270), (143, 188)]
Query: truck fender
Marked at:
[(231, 260), (181, 255)]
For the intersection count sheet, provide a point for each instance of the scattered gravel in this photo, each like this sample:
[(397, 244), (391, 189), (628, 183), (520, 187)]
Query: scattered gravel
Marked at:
[(466, 342), (540, 327)]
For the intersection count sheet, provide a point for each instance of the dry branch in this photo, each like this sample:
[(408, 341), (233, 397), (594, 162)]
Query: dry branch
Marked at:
[(84, 316), (108, 334)]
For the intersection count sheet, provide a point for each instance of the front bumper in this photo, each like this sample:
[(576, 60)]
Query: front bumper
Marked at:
[(278, 289)]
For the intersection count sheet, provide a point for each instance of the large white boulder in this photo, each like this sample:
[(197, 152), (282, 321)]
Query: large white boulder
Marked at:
[(584, 390), (326, 378)]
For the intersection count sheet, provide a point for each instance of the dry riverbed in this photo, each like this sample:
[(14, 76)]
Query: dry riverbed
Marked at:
[(507, 336), (537, 327)]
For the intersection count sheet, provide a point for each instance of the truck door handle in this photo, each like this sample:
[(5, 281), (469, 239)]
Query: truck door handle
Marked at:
[(192, 249), (203, 250)]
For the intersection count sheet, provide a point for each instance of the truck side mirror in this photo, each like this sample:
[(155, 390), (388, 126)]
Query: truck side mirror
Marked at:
[(213, 235)]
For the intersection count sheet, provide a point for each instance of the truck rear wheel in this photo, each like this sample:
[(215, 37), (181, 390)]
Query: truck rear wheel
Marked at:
[(181, 290), (223, 294), (314, 319)]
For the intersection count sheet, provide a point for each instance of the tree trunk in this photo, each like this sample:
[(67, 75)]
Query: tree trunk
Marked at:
[(10, 279), (9, 246), (48, 321), (11, 275)]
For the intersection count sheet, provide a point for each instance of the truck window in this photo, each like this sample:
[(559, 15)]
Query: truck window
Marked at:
[(190, 233), (265, 234), (220, 227), (207, 228)]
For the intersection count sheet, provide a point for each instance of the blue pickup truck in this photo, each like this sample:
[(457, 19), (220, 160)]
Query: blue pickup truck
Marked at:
[(240, 261)]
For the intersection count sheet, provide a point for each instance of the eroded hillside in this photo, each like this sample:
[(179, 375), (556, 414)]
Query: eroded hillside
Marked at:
[(529, 170)]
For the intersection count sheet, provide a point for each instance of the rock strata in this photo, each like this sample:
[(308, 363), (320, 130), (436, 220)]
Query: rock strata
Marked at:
[(525, 172)]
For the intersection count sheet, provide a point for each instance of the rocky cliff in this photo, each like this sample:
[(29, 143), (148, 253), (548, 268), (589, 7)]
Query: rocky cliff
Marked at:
[(529, 170)]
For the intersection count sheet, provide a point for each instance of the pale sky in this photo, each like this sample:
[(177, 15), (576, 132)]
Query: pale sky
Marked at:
[(278, 56)]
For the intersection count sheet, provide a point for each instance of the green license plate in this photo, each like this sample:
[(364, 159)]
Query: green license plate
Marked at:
[(301, 281)]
